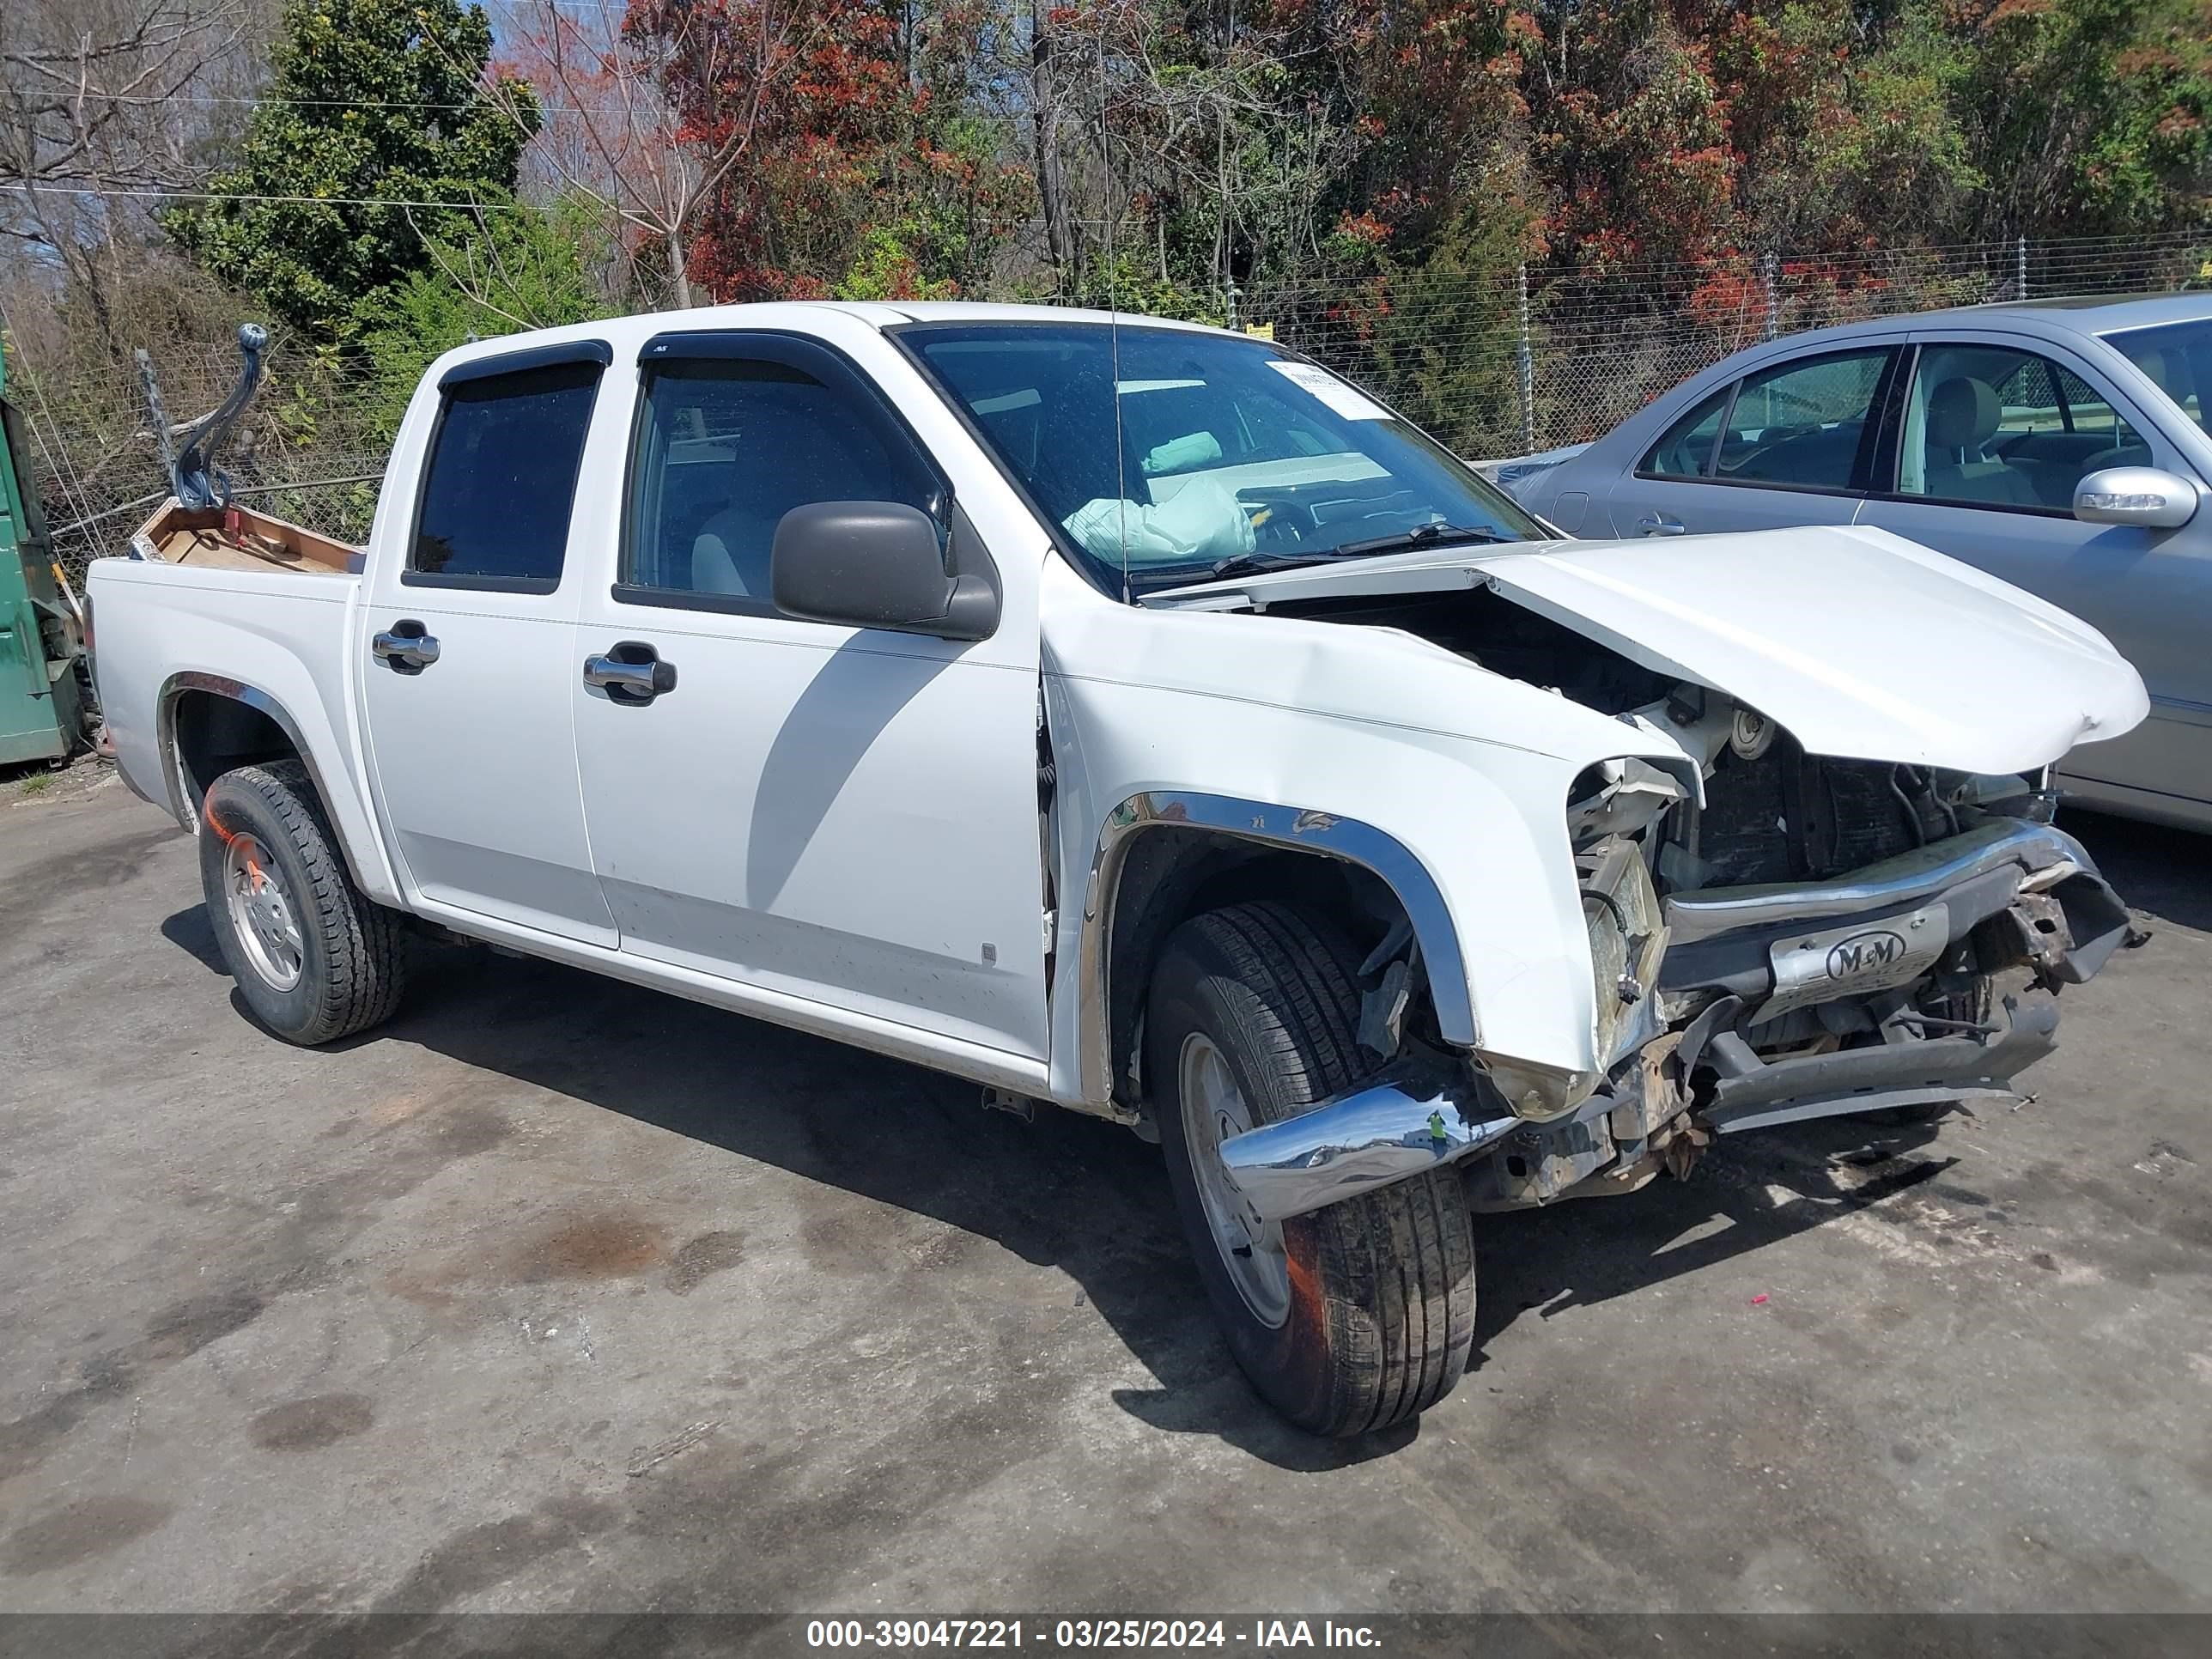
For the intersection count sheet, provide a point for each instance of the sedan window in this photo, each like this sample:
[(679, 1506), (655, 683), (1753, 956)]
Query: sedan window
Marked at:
[(2177, 359), (1802, 423), (1993, 426), (1799, 424), (1686, 450)]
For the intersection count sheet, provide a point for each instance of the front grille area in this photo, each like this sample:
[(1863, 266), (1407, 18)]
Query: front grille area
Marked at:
[(1788, 816)]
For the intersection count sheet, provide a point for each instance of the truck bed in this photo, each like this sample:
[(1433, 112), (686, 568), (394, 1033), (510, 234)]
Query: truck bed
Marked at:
[(202, 609), (238, 538)]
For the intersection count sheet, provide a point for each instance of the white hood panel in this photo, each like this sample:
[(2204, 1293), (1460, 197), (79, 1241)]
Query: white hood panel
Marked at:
[(1859, 643)]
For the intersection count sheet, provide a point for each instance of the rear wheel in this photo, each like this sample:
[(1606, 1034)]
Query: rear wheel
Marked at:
[(1353, 1317), (313, 958)]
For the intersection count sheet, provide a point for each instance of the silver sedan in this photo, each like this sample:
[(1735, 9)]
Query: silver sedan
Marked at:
[(2061, 445)]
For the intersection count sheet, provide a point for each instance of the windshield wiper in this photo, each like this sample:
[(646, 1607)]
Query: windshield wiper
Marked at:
[(1424, 535), (1251, 564)]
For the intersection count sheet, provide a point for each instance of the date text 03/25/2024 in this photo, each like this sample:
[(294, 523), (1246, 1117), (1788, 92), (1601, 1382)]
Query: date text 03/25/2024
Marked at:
[(1252, 1635)]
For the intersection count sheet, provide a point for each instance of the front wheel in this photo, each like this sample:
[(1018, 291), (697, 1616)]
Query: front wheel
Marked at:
[(1357, 1315), (314, 958)]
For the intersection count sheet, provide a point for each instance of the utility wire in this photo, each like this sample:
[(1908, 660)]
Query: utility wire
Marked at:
[(142, 195), (364, 103)]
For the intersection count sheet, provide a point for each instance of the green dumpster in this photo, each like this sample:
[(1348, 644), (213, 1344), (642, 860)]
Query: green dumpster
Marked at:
[(41, 708)]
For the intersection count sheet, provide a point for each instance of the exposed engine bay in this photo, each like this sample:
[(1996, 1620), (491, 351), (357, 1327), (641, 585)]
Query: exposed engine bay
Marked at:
[(1818, 936)]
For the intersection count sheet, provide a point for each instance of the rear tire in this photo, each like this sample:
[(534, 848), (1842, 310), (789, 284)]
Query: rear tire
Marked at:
[(315, 960), (1355, 1316)]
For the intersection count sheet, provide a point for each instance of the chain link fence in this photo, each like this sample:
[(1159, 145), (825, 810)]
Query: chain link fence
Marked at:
[(1503, 368), (311, 449), (1492, 367)]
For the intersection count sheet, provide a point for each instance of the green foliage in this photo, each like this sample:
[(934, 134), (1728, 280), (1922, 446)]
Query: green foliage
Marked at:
[(493, 273), (2095, 116), (1406, 150), (1118, 282), (1912, 121), (1902, 160), (375, 103), (1435, 339), (888, 266)]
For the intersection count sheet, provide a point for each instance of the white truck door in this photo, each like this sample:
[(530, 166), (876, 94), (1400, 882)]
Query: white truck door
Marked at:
[(844, 815), (470, 628)]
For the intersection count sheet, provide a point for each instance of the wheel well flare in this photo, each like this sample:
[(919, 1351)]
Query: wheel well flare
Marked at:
[(1165, 856)]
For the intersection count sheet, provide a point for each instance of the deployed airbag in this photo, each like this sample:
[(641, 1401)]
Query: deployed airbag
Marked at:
[(1202, 522)]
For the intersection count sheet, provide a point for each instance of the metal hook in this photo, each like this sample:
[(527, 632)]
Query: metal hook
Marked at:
[(193, 474)]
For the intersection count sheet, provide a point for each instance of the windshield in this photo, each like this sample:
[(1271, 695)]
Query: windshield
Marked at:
[(1232, 456), (2177, 359)]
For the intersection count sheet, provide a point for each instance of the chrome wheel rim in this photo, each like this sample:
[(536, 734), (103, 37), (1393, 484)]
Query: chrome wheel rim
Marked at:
[(1214, 1108), (261, 912)]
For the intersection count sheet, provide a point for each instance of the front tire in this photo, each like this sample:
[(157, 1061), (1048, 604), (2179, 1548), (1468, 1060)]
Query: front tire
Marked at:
[(1353, 1317), (315, 960)]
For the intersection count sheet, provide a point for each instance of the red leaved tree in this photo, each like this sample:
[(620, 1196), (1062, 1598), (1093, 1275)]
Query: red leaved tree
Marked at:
[(653, 113)]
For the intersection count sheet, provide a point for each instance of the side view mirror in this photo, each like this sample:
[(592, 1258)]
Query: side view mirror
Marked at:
[(2145, 496), (876, 564)]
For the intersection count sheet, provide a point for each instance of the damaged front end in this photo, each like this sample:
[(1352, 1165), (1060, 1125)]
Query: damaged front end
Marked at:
[(1817, 937), (1780, 927), (1812, 937)]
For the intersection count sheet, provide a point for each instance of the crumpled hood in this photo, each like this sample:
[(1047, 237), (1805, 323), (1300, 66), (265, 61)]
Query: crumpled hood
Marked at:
[(1863, 644)]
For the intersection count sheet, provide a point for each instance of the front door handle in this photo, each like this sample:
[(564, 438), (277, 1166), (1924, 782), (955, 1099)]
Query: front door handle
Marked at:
[(405, 648), (631, 672), (1658, 524)]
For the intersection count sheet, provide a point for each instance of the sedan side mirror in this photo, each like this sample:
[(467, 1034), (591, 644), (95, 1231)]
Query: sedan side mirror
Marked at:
[(2145, 496), (876, 564)]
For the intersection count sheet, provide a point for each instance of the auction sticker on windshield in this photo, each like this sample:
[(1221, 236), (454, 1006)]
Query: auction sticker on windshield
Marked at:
[(1346, 399)]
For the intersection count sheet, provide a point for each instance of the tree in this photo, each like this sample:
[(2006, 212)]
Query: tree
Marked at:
[(653, 109), (95, 114), (864, 169), (378, 124), (490, 273), (821, 130), (2091, 116)]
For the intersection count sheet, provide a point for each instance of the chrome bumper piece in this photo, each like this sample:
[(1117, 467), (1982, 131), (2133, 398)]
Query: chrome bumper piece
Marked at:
[(1386, 1131), (1911, 875), (1760, 943)]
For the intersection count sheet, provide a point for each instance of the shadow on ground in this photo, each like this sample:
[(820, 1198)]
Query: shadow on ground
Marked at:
[(190, 931), (2163, 873), (1064, 1192)]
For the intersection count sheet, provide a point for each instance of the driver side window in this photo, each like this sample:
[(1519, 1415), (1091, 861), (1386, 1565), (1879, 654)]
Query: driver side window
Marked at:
[(725, 447), (1992, 426)]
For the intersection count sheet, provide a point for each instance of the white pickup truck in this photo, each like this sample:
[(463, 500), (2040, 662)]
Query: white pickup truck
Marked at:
[(1138, 718)]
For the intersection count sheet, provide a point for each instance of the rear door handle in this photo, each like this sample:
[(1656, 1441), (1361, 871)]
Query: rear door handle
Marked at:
[(1658, 524), (630, 672), (405, 648)]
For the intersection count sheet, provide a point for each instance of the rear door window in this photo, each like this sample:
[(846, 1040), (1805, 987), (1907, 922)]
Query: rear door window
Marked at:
[(501, 480), (1802, 424), (1686, 450)]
